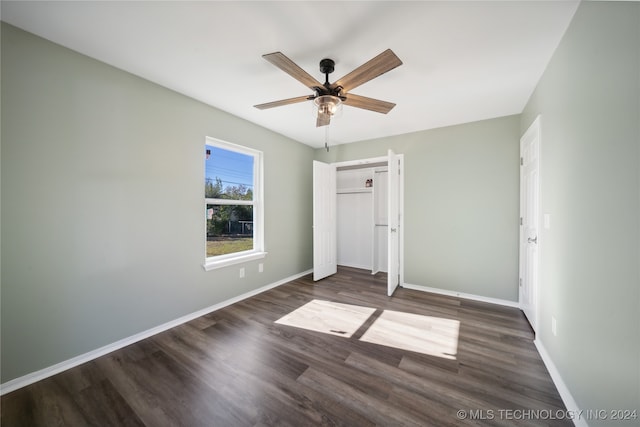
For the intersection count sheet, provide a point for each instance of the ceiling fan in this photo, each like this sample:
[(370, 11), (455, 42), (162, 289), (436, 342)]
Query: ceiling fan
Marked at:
[(328, 97)]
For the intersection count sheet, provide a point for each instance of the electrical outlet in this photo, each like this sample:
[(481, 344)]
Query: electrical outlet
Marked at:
[(241, 272), (554, 326), (260, 268)]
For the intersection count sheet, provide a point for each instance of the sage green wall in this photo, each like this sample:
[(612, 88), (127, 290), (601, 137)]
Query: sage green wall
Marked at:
[(102, 204), (589, 100), (461, 204)]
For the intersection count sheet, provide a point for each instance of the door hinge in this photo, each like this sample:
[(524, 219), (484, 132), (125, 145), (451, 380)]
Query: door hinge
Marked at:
[(520, 220), (520, 281), (521, 161)]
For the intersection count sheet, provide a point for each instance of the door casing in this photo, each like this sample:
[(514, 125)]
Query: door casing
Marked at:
[(400, 230)]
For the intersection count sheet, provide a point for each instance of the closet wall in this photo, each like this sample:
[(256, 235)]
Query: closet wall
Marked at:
[(362, 217)]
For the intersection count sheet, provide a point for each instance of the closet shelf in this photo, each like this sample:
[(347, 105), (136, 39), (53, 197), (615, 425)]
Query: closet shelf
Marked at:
[(355, 190)]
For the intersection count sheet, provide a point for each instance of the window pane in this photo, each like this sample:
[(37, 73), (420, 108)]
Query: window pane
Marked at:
[(228, 174), (229, 229)]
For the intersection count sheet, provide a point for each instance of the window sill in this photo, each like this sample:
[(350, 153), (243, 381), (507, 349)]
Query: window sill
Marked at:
[(237, 259)]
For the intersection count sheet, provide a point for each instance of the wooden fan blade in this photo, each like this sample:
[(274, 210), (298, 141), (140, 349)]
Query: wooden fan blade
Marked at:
[(377, 66), (323, 119), (376, 105), (288, 66), (281, 102)]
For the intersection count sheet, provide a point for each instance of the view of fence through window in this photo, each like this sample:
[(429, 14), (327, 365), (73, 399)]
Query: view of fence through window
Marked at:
[(228, 191)]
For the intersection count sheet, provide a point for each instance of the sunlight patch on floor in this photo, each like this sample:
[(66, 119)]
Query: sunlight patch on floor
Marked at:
[(328, 317), (434, 336)]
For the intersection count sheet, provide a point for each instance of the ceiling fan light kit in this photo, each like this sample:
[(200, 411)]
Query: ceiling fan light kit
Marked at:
[(327, 104), (328, 98)]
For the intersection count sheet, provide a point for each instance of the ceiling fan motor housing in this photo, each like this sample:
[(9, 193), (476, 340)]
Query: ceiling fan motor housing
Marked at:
[(327, 66)]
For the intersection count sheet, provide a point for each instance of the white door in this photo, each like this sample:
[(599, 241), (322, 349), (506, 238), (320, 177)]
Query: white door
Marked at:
[(529, 214), (393, 234), (324, 220)]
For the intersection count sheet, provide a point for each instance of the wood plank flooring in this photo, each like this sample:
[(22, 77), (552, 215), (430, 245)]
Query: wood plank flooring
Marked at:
[(236, 367)]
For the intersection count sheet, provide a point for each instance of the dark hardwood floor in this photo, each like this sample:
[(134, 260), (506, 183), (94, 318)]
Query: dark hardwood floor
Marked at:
[(236, 367)]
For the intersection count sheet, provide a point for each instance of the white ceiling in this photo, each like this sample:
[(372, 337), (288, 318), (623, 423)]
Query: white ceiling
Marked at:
[(463, 61)]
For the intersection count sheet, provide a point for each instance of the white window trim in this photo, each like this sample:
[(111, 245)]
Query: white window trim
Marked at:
[(213, 263), (258, 252)]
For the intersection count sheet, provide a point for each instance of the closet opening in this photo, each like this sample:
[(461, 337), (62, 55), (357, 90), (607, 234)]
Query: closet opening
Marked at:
[(358, 217), (362, 216)]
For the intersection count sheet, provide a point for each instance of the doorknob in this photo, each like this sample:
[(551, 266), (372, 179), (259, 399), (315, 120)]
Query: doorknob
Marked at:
[(393, 230), (534, 240)]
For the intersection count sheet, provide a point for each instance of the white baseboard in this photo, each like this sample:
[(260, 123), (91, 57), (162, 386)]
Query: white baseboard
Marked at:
[(358, 266), (565, 394), (33, 377), (462, 295)]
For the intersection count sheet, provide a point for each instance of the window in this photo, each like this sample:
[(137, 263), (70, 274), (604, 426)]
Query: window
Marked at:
[(233, 204)]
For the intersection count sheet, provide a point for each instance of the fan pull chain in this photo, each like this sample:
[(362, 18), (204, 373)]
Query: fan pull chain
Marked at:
[(326, 138)]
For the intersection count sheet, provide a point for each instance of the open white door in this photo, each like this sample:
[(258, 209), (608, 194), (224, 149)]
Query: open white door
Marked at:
[(529, 214), (324, 220), (394, 223)]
